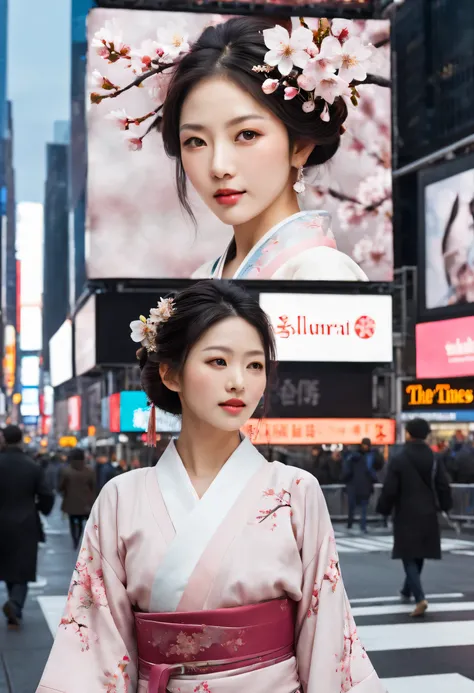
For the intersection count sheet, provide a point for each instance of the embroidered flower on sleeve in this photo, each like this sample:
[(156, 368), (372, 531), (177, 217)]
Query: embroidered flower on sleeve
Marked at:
[(278, 501), (203, 688), (352, 649), (119, 681)]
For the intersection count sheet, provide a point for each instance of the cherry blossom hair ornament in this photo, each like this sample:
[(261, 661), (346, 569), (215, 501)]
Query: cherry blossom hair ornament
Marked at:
[(314, 66)]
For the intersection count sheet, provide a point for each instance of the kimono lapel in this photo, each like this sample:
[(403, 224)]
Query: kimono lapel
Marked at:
[(292, 236), (196, 521)]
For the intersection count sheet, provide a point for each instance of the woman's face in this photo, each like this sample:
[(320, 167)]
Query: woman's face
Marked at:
[(224, 377), (231, 144)]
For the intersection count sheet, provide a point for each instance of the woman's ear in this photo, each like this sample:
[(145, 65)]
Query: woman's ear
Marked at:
[(169, 378), (301, 152)]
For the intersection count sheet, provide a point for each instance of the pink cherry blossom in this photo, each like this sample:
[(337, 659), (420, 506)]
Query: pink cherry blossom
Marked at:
[(290, 93), (285, 50), (120, 118), (173, 43), (340, 29), (325, 116), (354, 55), (332, 86), (270, 85), (135, 144), (330, 54)]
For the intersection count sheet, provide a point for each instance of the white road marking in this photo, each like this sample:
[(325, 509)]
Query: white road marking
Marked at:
[(441, 683), (416, 635), (376, 600), (407, 608)]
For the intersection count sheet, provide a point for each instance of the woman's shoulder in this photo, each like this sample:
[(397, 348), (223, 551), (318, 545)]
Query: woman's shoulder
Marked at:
[(295, 477), (321, 263), (125, 484), (205, 270)]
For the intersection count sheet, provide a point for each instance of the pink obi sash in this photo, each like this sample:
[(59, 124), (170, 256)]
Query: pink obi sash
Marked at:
[(203, 642)]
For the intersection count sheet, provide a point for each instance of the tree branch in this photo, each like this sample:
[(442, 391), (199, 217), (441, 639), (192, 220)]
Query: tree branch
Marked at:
[(139, 80), (374, 79)]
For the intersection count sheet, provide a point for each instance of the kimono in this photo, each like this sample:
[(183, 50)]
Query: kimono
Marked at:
[(299, 247), (260, 532)]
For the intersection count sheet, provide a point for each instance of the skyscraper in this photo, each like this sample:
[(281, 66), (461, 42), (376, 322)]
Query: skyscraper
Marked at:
[(3, 67)]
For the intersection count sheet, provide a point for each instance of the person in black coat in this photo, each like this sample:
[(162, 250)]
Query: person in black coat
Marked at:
[(23, 493), (415, 488), (359, 475)]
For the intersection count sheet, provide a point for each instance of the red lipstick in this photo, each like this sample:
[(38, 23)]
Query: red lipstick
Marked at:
[(232, 406), (228, 196)]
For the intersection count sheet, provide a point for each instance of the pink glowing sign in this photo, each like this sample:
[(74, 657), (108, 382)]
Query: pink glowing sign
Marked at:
[(445, 348)]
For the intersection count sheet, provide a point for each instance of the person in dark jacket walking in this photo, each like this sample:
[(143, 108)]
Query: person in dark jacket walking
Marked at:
[(77, 487), (360, 475), (23, 493), (415, 489)]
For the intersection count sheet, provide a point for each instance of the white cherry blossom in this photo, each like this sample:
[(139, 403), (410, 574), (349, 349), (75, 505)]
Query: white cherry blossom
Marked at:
[(120, 118), (354, 56), (332, 86), (139, 330), (173, 42), (285, 50)]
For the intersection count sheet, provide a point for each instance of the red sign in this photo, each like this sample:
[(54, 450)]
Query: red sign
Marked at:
[(445, 348), (74, 413), (319, 431), (114, 413)]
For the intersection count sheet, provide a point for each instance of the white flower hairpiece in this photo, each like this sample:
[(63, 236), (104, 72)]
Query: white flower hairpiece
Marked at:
[(144, 330), (317, 65)]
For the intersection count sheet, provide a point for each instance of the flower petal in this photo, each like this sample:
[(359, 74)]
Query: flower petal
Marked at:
[(270, 85), (272, 58), (301, 37), (285, 65), (275, 37), (290, 93), (300, 58)]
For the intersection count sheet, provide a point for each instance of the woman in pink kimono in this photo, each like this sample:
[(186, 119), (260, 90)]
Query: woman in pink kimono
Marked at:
[(243, 125), (214, 571)]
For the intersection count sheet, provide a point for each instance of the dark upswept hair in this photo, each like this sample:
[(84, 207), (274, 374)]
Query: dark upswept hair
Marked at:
[(196, 309), (231, 50)]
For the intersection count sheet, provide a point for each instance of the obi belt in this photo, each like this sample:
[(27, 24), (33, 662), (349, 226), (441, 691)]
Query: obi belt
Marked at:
[(204, 642)]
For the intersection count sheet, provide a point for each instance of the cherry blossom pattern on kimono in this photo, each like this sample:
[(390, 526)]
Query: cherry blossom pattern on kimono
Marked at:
[(332, 574), (353, 649), (276, 500), (119, 681)]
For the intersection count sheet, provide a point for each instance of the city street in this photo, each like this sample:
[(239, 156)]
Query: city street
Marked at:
[(435, 655)]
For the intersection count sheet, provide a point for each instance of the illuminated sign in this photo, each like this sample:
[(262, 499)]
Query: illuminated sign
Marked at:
[(319, 431), (67, 442), (9, 359), (445, 348), (331, 327), (447, 395)]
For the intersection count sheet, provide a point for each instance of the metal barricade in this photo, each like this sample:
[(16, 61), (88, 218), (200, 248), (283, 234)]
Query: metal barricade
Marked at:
[(336, 499)]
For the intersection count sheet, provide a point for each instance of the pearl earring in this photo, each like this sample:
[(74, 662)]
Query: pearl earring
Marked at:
[(300, 185)]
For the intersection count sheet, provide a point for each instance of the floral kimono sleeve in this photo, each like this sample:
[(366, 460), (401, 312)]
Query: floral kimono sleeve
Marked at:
[(330, 655), (94, 650)]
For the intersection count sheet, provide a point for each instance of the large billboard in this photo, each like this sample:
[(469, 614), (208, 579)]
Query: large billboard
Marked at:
[(136, 227), (447, 244), (445, 348), (331, 327)]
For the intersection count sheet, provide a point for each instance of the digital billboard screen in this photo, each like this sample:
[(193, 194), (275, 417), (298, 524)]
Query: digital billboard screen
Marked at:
[(340, 228), (331, 327), (445, 348), (447, 243)]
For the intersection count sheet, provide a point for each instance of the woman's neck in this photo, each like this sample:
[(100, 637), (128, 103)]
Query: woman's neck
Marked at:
[(248, 235), (204, 449)]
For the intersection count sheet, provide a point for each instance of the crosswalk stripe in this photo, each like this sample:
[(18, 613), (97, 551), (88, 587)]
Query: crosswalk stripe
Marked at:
[(440, 683), (376, 600), (410, 636), (354, 544), (408, 608)]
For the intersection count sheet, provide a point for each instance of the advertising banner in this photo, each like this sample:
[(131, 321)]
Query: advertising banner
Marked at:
[(447, 245), (74, 413), (445, 348), (306, 390), (331, 327), (85, 337), (60, 355), (438, 395), (320, 431), (129, 412), (136, 226)]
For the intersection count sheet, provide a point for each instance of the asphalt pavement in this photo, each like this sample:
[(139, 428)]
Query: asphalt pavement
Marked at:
[(432, 655)]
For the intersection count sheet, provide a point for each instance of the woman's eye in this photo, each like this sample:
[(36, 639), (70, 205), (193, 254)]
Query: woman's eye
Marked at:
[(248, 135), (194, 143), (218, 362), (256, 366)]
